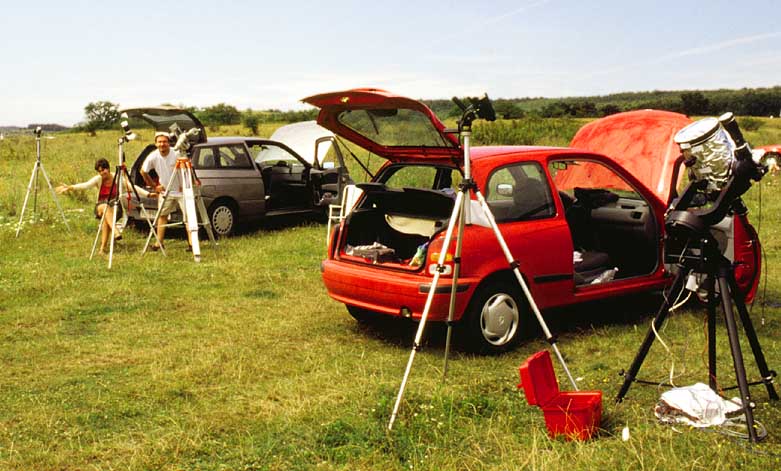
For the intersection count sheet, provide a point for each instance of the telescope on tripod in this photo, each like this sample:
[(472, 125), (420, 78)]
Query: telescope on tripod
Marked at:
[(478, 108), (33, 185), (722, 168)]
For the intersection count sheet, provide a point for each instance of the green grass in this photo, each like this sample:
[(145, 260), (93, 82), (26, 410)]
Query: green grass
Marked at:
[(242, 362)]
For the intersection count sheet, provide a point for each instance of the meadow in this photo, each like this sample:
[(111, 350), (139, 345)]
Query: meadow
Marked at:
[(242, 362)]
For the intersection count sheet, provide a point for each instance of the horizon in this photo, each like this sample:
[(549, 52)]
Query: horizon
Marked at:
[(28, 125), (507, 49)]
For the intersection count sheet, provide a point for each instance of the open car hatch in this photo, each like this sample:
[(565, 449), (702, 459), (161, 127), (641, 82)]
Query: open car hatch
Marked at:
[(163, 118), (639, 141), (388, 125)]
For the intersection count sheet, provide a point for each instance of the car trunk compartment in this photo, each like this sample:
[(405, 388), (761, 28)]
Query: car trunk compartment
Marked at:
[(393, 226)]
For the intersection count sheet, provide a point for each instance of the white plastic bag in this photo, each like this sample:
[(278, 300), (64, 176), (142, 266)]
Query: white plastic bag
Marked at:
[(696, 405)]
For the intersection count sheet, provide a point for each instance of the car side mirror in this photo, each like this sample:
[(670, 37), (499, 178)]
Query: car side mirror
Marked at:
[(505, 189)]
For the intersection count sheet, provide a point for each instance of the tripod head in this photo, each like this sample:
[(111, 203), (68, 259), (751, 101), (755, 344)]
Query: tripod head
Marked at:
[(37, 131), (478, 108)]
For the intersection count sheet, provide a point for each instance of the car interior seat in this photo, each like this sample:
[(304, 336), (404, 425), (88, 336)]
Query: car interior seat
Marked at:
[(589, 261)]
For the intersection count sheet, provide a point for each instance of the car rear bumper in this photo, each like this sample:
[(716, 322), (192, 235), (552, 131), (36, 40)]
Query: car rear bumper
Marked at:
[(394, 293)]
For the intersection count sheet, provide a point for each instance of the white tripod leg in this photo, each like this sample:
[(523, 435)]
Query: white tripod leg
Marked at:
[(97, 236), (54, 197), (27, 197), (190, 215)]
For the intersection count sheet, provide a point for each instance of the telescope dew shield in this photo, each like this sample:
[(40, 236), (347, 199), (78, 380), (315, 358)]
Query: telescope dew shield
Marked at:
[(708, 151)]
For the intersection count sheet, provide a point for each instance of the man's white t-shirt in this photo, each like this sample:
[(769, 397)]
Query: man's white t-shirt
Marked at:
[(164, 166)]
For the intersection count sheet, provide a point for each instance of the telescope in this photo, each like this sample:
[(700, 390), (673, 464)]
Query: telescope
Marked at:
[(721, 169)]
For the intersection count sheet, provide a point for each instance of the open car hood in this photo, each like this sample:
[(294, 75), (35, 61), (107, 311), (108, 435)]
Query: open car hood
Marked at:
[(162, 118), (641, 142), (387, 125), (304, 138)]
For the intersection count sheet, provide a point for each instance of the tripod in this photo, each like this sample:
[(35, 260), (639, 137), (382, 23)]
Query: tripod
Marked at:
[(121, 180), (192, 201), (34, 184), (719, 272), (479, 108)]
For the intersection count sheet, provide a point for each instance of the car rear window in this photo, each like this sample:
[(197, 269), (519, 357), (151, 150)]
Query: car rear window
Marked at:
[(394, 127)]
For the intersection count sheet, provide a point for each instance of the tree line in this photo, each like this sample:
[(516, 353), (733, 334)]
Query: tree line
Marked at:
[(743, 102)]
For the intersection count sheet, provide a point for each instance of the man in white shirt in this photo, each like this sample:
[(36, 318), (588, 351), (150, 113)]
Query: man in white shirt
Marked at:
[(163, 161)]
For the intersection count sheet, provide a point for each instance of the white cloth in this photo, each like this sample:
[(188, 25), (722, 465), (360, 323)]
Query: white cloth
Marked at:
[(164, 166), (696, 405)]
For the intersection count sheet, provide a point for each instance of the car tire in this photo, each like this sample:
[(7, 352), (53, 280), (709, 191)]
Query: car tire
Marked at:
[(222, 217), (496, 319)]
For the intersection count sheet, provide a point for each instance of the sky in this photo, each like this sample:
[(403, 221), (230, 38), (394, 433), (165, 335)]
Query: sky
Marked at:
[(59, 56)]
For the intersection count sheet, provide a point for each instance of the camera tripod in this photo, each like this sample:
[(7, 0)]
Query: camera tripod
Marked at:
[(719, 274), (33, 185), (192, 202), (478, 109), (121, 181)]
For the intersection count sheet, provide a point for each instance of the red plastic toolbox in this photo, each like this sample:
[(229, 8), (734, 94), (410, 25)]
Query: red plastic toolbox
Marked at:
[(572, 414)]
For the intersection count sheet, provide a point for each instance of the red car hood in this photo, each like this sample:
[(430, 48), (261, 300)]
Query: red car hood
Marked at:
[(641, 142), (388, 125)]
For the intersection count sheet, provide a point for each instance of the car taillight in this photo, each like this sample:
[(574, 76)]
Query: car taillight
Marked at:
[(447, 265)]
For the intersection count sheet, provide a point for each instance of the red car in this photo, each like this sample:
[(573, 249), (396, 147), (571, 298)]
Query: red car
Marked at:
[(585, 222)]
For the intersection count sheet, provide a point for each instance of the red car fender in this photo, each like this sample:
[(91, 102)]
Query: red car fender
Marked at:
[(748, 257)]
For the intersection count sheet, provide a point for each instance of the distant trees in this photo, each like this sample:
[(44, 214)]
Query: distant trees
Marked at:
[(694, 103), (250, 120), (100, 115), (219, 114)]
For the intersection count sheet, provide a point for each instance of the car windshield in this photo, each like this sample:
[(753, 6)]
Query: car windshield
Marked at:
[(394, 127), (270, 154)]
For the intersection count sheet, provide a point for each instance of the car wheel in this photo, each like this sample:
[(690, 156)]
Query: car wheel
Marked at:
[(496, 318), (222, 217)]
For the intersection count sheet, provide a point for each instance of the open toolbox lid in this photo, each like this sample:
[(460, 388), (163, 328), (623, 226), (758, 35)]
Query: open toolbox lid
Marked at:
[(538, 379)]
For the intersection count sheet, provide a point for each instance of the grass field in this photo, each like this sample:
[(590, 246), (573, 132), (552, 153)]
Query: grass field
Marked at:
[(242, 362)]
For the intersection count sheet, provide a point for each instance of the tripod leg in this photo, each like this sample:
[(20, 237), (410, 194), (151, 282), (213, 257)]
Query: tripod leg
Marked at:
[(204, 215), (737, 357), (454, 285), (27, 197), (190, 217), (664, 310), (711, 287), (113, 234), (751, 334), (54, 197), (427, 306), (97, 236)]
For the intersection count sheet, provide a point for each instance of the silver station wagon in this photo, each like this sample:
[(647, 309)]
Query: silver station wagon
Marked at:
[(299, 170)]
